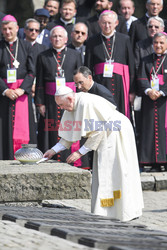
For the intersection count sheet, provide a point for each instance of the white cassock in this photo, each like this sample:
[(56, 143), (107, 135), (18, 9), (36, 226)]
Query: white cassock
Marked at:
[(116, 185)]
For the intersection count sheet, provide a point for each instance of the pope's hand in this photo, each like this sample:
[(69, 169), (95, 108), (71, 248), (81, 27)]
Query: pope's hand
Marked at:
[(49, 154), (73, 157)]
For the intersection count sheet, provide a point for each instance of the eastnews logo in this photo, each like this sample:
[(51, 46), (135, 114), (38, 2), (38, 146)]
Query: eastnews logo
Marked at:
[(89, 125)]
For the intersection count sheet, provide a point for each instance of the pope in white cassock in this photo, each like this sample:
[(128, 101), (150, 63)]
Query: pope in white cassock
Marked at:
[(116, 185)]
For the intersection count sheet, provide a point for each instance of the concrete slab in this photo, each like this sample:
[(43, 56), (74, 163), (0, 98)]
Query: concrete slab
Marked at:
[(49, 180)]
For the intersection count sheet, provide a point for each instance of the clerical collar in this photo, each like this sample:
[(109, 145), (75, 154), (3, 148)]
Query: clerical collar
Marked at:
[(107, 37), (12, 41), (91, 85), (66, 22), (161, 54), (59, 50)]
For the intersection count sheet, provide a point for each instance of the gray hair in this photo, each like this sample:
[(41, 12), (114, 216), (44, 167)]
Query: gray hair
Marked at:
[(107, 13), (149, 1), (157, 18), (30, 20), (85, 71), (58, 26), (6, 22), (160, 34)]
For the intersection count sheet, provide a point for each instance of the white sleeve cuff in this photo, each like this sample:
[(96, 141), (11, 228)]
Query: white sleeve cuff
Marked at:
[(58, 147), (83, 150), (146, 91), (162, 93), (3, 93)]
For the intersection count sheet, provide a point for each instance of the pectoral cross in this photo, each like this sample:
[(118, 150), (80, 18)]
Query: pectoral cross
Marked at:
[(16, 64)]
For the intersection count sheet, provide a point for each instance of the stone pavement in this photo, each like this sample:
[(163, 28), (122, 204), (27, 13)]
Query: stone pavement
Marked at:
[(15, 237), (70, 223)]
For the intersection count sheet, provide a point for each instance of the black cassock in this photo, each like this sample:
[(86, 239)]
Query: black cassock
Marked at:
[(47, 68), (7, 106), (37, 49), (152, 147), (102, 91), (124, 59)]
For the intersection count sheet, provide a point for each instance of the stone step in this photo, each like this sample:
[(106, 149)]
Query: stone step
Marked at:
[(56, 181)]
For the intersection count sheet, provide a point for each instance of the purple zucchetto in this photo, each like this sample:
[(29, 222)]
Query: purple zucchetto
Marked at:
[(9, 18)]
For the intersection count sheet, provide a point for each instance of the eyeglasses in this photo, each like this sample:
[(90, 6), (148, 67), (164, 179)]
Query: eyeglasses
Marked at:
[(42, 19), (79, 83), (31, 30), (78, 32), (151, 26)]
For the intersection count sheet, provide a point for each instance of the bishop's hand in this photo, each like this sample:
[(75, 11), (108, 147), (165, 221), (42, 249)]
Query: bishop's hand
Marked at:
[(11, 94), (154, 94)]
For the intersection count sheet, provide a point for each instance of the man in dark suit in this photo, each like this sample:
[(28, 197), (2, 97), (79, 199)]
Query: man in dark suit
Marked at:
[(67, 17), (138, 29), (84, 82), (42, 16), (31, 31), (53, 7), (144, 47), (92, 22), (79, 35)]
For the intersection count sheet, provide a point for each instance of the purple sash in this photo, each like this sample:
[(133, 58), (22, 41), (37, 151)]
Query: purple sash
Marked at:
[(122, 70)]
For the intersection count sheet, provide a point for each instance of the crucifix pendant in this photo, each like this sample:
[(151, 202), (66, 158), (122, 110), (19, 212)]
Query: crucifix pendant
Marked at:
[(16, 64)]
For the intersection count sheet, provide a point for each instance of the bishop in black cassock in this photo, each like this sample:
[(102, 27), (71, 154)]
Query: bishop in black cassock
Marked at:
[(16, 115), (49, 65), (153, 143), (117, 47)]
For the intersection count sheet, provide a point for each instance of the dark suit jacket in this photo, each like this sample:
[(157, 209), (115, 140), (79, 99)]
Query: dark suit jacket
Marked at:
[(1, 16), (94, 27), (37, 49), (143, 48), (102, 91), (138, 30), (81, 50)]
